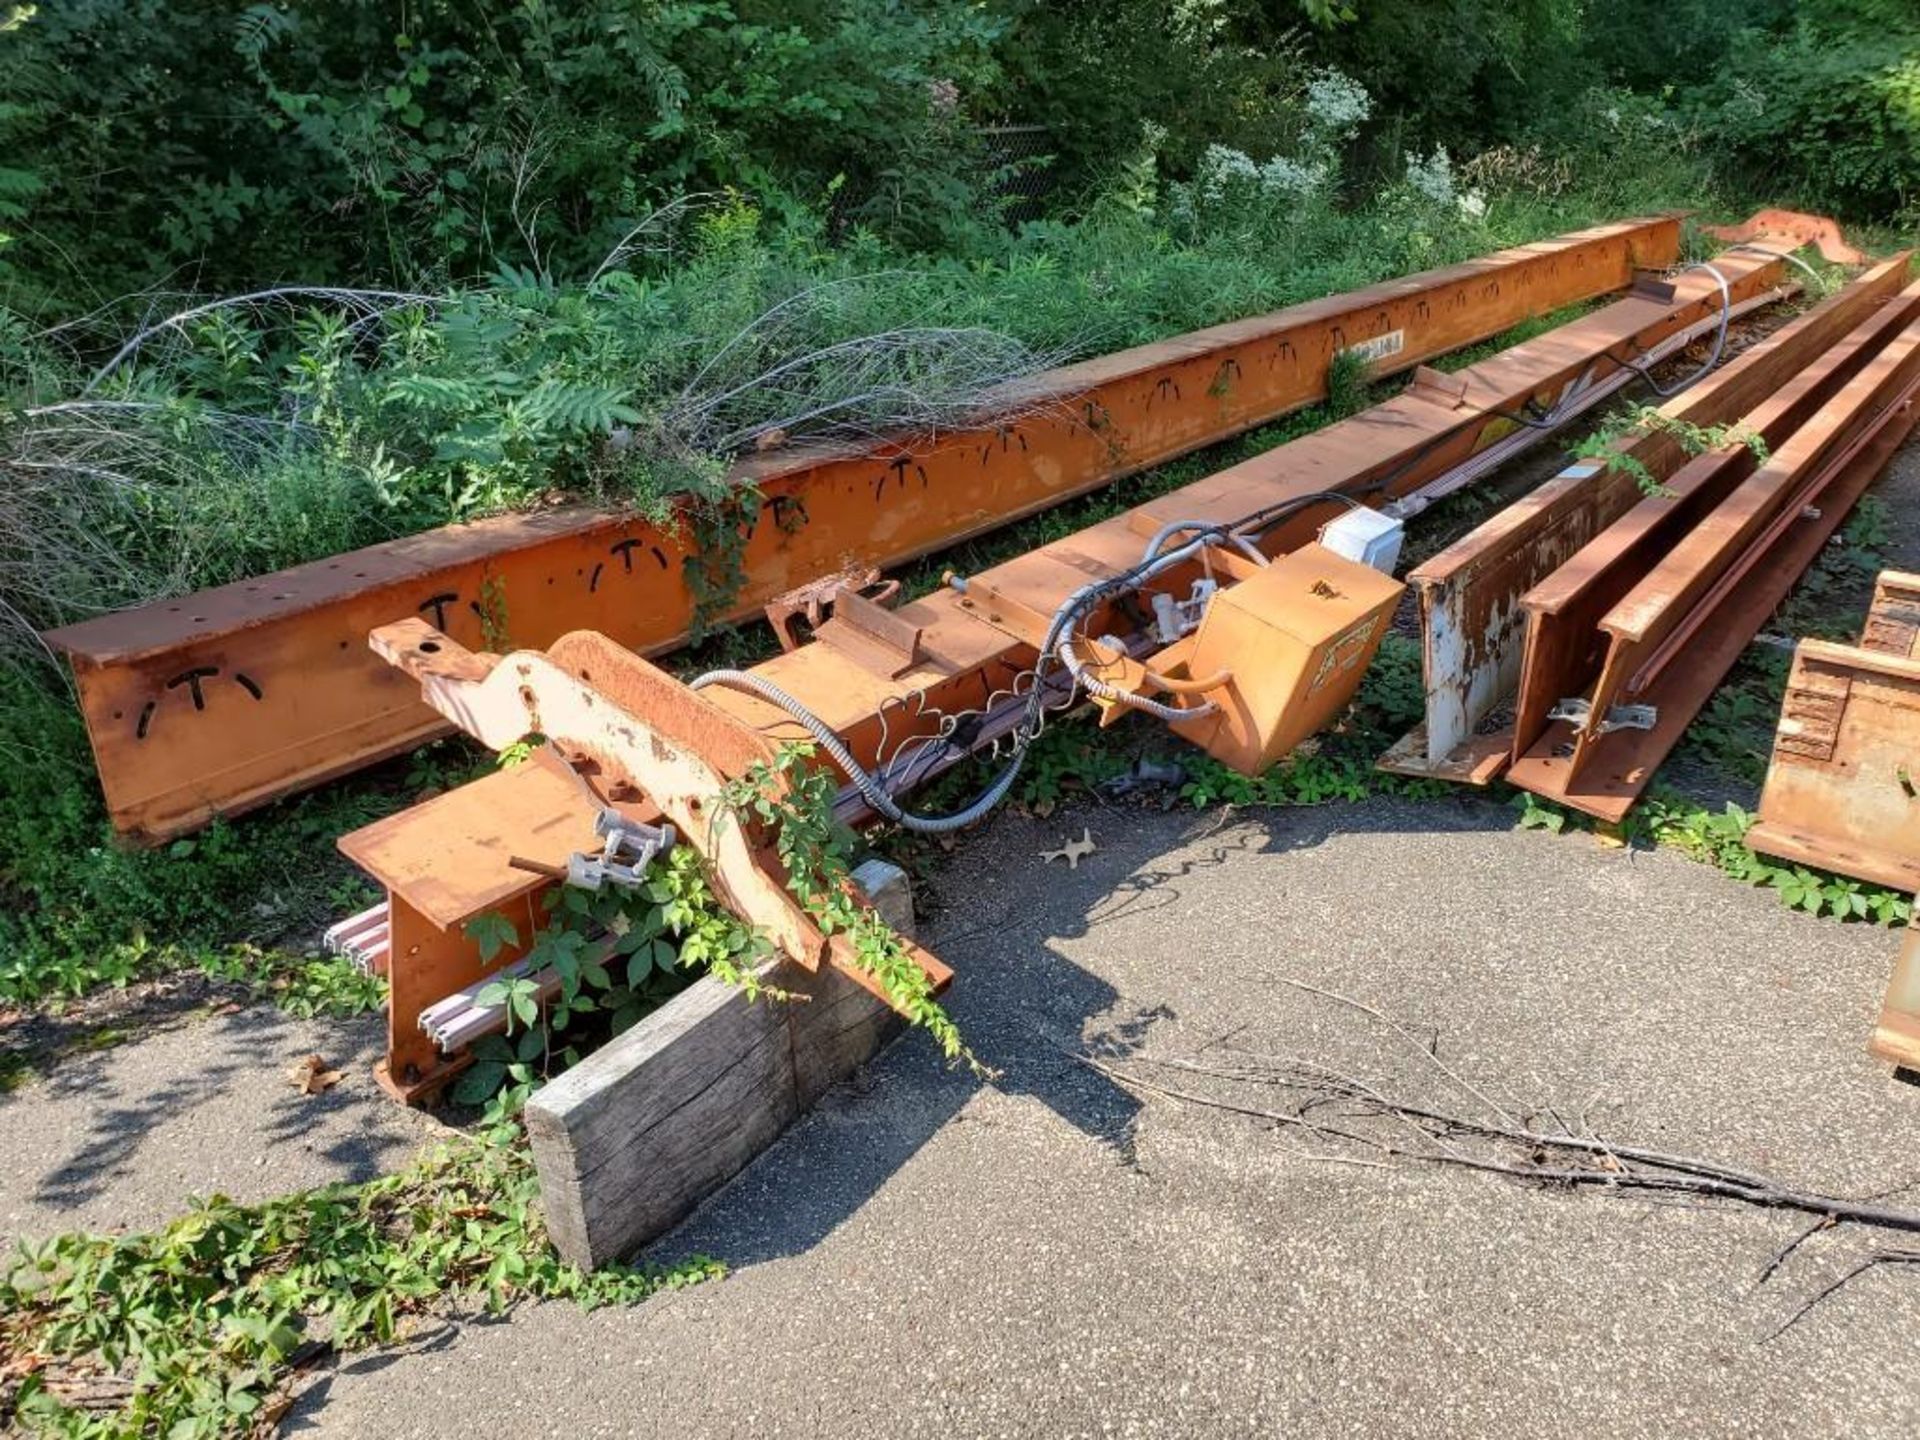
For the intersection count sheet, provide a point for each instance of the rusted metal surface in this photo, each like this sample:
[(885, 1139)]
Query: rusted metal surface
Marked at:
[(1893, 619), (1790, 229), (1843, 789), (1896, 1034), (975, 648), (640, 736), (445, 862), (1673, 637), (1472, 623), (227, 698), (1564, 642), (1841, 792), (801, 612)]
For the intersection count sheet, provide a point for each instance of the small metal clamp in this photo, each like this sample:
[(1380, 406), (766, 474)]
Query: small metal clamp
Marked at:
[(1174, 618), (629, 848), (1579, 710)]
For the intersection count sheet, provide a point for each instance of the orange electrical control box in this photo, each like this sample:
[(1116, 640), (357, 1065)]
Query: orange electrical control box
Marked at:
[(1296, 636)]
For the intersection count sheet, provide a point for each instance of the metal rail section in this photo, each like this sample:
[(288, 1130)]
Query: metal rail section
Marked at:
[(221, 700), (1843, 788), (1673, 637), (1473, 626), (912, 690)]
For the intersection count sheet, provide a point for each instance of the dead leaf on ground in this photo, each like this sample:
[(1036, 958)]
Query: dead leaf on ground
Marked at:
[(311, 1076), (1072, 851)]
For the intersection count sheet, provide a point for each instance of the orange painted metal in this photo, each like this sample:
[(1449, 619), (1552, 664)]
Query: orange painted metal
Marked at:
[(1563, 612), (1843, 789), (445, 862), (800, 612), (1472, 623), (1896, 1034), (1295, 639), (974, 646), (638, 734), (222, 700), (1790, 229), (1678, 631)]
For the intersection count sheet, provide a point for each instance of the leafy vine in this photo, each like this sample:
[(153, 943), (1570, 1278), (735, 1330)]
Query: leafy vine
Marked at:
[(1603, 445), (795, 797), (715, 567), (611, 957)]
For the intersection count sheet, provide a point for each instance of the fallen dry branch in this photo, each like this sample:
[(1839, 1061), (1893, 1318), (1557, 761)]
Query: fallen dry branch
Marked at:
[(1563, 1159), (1356, 1121)]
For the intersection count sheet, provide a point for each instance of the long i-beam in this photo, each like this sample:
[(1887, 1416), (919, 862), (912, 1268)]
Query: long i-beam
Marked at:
[(216, 702)]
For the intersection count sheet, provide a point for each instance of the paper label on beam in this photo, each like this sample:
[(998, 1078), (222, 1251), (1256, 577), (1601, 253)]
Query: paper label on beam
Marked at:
[(1380, 347)]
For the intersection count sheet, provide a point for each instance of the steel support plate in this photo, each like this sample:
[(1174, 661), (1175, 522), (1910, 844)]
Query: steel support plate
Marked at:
[(1843, 788), (1896, 1035)]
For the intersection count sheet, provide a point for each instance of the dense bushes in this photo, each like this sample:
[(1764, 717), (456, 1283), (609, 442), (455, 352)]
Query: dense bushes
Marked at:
[(1829, 98), (206, 145)]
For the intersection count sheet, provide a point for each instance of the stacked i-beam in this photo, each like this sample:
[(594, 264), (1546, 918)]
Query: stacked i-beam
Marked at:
[(1241, 610), (1569, 640)]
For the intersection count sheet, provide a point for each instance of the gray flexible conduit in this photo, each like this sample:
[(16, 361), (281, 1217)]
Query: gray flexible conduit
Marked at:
[(863, 780)]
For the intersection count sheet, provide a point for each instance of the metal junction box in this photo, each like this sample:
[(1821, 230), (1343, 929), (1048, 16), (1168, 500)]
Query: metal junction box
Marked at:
[(1297, 636)]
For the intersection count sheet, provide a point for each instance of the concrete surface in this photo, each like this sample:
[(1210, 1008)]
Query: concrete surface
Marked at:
[(124, 1137), (1049, 1256)]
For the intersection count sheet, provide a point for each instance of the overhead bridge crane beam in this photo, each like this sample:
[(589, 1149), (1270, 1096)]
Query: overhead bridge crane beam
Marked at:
[(218, 701), (1213, 606)]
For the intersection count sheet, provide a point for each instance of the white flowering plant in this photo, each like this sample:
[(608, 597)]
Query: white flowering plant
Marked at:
[(1433, 179), (1231, 190)]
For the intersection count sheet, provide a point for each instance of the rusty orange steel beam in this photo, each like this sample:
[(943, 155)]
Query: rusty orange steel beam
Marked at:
[(883, 684), (1564, 641), (1674, 636), (650, 746), (1473, 624), (1840, 791), (221, 700)]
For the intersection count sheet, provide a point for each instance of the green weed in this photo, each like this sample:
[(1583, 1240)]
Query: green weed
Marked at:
[(207, 1318), (1720, 840)]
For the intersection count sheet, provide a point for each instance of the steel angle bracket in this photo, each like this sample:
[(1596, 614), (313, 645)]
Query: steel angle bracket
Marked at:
[(643, 736), (1577, 710)]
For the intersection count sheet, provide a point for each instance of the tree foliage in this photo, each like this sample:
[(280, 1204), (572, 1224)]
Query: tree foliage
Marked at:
[(207, 144)]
